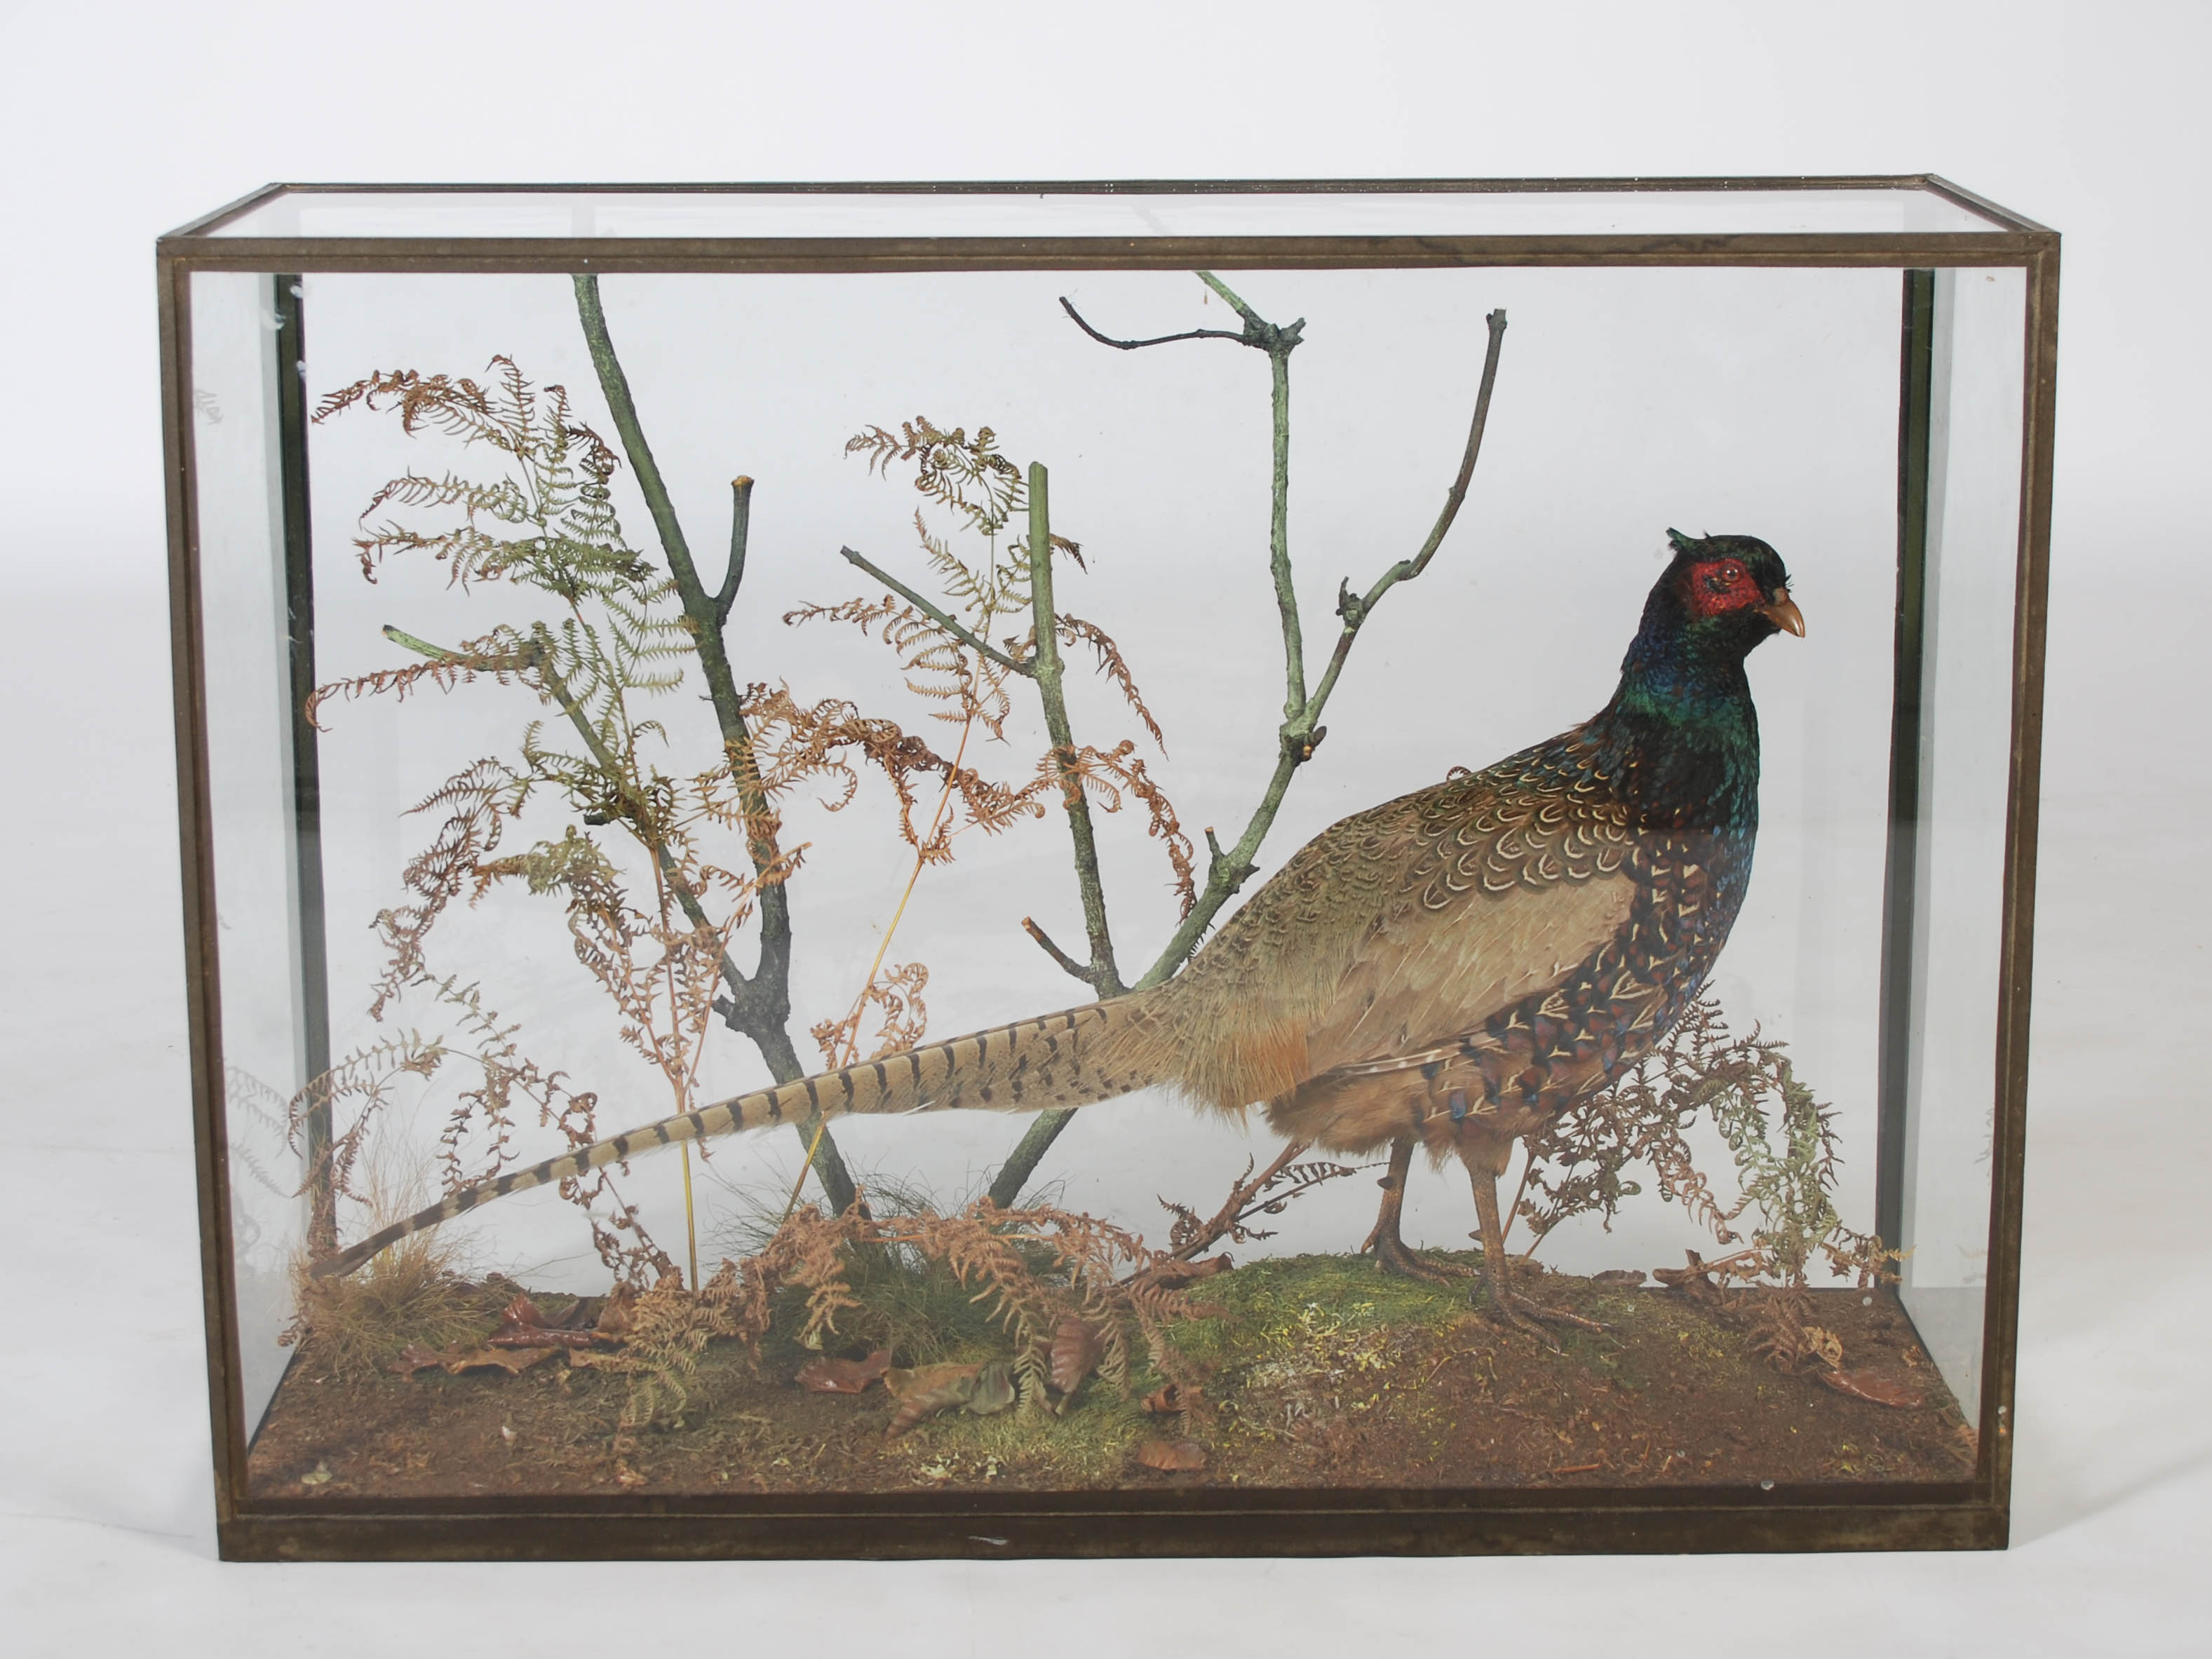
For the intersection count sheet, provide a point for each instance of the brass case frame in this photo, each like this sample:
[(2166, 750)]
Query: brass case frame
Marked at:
[(1969, 1515)]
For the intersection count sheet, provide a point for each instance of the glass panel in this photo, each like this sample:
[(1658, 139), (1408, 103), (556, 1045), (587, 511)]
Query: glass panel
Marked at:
[(250, 790), (492, 1003), (1469, 213), (1974, 548)]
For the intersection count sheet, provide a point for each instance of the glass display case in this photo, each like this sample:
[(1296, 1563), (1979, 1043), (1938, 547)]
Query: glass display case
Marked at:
[(1084, 868)]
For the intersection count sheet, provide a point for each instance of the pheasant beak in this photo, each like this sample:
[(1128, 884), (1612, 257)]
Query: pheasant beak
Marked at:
[(1782, 611)]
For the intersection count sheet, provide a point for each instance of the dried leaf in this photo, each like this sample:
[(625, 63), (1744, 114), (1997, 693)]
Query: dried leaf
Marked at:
[(1621, 1277), (902, 1381), (415, 1357), (615, 1316), (1171, 1457), (456, 1359), (1166, 1400), (1169, 1274), (995, 1389), (1694, 1281), (1824, 1347), (509, 1360), (1076, 1351), (523, 1326), (1874, 1389), (521, 1315), (573, 1318), (925, 1390), (843, 1375)]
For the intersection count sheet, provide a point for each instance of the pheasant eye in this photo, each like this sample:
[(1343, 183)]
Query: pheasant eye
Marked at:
[(1722, 578)]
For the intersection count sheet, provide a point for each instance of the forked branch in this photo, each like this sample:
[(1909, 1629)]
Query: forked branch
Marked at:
[(1301, 732), (762, 1008)]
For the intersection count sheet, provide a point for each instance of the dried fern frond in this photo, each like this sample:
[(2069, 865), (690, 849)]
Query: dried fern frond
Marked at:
[(1268, 1192), (966, 474), (935, 666), (1747, 1088), (829, 740), (896, 992), (1032, 1273), (1104, 775), (557, 494), (1076, 631)]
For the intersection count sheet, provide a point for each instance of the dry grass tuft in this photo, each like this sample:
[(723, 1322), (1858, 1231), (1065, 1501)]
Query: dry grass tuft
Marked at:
[(413, 1291)]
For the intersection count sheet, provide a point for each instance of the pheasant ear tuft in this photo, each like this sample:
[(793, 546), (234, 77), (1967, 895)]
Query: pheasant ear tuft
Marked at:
[(1680, 542)]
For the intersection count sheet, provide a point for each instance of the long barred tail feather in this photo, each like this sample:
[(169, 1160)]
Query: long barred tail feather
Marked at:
[(1074, 1058)]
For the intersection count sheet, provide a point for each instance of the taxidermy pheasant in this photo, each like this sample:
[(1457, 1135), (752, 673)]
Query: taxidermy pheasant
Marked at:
[(1449, 970)]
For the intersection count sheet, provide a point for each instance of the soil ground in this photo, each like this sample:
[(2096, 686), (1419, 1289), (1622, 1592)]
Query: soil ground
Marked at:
[(1323, 1373)]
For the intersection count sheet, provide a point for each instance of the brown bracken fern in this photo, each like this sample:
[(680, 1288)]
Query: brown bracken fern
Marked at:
[(1779, 1136)]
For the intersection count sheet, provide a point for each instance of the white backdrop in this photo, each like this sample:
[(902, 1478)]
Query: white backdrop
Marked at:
[(1753, 400), (121, 123)]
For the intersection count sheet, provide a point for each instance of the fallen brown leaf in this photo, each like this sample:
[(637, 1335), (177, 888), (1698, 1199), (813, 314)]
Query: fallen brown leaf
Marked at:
[(415, 1357), (1166, 1400), (615, 1316), (1170, 1274), (995, 1389), (1874, 1389), (843, 1375), (1171, 1457), (925, 1390), (509, 1360), (1077, 1349), (1619, 1277), (522, 1325)]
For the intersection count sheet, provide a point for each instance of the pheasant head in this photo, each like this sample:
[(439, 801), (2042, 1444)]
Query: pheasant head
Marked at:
[(1681, 724)]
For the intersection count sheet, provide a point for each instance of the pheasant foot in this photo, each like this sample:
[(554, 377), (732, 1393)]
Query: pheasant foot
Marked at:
[(1505, 1304), (1554, 1315), (1502, 1311), (1393, 1255), (1386, 1243)]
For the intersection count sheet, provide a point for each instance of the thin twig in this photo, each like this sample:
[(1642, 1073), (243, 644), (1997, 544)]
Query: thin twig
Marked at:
[(1240, 1195), (1356, 609), (1278, 340), (741, 518), (943, 619), (1302, 733), (1065, 961), (1138, 345)]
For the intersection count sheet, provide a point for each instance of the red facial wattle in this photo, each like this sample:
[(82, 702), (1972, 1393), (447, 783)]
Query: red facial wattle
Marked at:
[(1722, 585)]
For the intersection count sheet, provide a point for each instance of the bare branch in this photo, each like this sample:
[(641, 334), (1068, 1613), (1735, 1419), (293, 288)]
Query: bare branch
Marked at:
[(762, 1008), (1075, 969), (741, 516), (1278, 340), (1138, 345), (1047, 670), (1355, 608), (943, 618), (1303, 733)]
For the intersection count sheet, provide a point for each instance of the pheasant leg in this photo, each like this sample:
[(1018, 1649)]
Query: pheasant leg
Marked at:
[(1502, 1302), (1387, 1242)]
